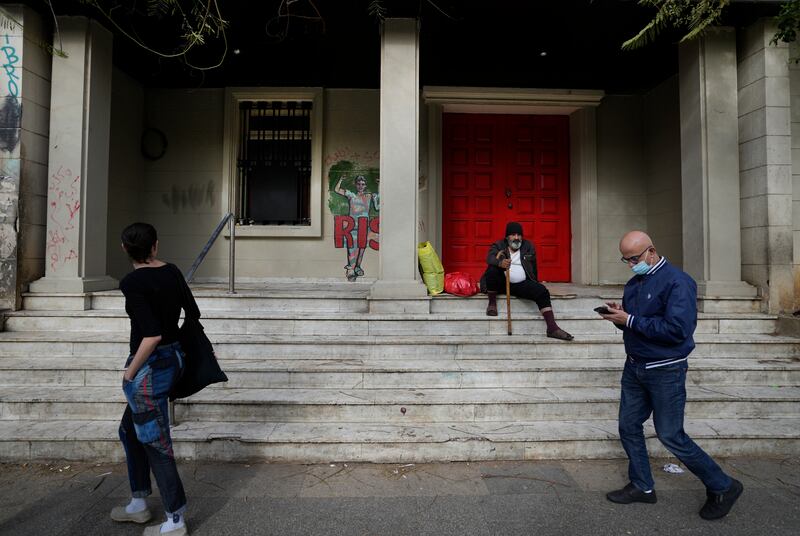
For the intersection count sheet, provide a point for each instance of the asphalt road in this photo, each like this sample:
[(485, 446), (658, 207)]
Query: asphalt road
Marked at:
[(541, 498)]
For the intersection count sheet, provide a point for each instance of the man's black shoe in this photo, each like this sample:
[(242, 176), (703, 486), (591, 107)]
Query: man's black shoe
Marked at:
[(631, 494), (719, 504)]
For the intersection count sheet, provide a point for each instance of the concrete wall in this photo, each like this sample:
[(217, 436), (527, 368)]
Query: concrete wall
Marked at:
[(182, 193), (25, 113), (622, 189), (126, 166), (662, 168), (638, 150)]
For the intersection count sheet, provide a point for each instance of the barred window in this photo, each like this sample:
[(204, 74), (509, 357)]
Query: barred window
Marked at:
[(274, 162)]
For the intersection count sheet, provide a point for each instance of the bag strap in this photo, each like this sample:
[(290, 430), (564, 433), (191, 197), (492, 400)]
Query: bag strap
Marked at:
[(188, 302)]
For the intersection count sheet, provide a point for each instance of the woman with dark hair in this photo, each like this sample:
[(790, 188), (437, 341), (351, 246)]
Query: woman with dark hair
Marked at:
[(154, 293)]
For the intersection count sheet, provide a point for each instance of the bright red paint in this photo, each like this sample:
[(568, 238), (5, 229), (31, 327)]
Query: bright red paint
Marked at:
[(486, 157)]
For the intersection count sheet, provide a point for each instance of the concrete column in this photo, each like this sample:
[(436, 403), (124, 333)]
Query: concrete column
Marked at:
[(398, 287), (11, 45), (766, 165), (583, 185), (77, 198), (710, 164), (24, 112), (794, 91)]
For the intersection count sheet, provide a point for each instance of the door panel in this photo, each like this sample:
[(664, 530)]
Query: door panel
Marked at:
[(501, 168)]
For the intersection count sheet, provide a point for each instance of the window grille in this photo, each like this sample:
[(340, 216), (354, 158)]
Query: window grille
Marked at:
[(274, 162)]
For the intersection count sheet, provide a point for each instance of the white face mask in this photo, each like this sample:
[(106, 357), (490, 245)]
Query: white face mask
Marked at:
[(515, 244)]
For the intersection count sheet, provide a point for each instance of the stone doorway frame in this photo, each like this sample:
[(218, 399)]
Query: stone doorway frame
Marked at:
[(579, 105)]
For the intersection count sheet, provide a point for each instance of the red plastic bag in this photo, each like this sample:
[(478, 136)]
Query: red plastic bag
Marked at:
[(460, 284)]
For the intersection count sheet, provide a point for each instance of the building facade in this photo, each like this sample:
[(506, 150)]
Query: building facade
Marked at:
[(335, 182)]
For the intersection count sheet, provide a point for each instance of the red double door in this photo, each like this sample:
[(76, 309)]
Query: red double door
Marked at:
[(501, 168)]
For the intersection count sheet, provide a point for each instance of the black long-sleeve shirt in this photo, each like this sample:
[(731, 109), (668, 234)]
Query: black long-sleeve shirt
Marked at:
[(154, 298)]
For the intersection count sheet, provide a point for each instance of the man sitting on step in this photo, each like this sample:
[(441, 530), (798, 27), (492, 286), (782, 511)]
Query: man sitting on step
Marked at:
[(658, 316), (518, 257)]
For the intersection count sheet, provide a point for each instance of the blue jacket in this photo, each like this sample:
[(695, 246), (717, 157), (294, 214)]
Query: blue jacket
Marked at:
[(663, 309)]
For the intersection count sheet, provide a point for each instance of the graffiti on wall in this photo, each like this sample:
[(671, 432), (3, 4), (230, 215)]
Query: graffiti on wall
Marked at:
[(7, 22), (354, 201), (63, 207), (195, 197), (10, 127), (10, 66)]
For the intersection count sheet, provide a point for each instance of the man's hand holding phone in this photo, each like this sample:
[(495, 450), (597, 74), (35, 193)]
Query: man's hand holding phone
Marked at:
[(613, 312)]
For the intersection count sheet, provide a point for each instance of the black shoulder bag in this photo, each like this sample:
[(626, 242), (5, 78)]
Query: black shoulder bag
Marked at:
[(201, 368)]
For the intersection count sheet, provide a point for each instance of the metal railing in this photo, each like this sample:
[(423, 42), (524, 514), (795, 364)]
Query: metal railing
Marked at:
[(230, 220)]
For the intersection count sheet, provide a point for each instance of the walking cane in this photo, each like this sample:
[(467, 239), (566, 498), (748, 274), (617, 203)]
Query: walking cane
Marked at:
[(508, 299)]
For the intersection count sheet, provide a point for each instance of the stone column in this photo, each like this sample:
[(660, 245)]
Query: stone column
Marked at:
[(11, 45), (398, 288), (765, 157), (77, 198), (710, 164), (24, 112)]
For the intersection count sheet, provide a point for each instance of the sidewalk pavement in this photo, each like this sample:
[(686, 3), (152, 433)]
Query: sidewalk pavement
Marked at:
[(482, 498)]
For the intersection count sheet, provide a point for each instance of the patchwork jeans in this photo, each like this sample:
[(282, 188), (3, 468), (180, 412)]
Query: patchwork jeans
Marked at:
[(144, 430), (662, 392)]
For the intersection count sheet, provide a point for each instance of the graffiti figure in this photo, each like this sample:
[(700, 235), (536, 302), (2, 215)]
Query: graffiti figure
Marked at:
[(359, 211)]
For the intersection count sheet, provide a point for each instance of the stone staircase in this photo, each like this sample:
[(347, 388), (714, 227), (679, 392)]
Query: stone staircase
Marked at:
[(314, 377)]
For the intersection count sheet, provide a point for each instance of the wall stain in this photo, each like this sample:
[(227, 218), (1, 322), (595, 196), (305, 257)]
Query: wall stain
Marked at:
[(10, 121), (193, 198)]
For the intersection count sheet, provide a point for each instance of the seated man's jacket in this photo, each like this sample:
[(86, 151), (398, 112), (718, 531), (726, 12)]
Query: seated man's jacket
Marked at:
[(527, 255), (662, 305)]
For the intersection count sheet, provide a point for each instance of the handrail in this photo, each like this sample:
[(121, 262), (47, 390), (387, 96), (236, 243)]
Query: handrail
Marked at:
[(227, 218)]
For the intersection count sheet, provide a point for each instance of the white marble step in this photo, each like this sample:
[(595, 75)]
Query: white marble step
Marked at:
[(432, 372), (251, 323), (386, 405), (288, 346), (338, 296), (276, 295), (85, 440)]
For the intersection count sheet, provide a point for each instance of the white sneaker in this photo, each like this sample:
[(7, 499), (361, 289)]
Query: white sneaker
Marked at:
[(155, 530), (118, 513)]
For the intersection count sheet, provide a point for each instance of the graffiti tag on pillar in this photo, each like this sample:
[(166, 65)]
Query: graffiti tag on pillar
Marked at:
[(10, 61), (355, 204), (63, 207)]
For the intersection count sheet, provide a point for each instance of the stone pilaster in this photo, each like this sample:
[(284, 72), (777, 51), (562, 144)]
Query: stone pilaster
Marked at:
[(765, 165), (398, 287), (11, 45), (710, 164), (24, 113), (78, 161)]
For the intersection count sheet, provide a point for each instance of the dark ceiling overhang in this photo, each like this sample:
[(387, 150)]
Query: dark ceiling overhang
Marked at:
[(498, 43)]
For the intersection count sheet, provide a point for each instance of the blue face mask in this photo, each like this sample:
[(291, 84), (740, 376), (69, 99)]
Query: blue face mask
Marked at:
[(641, 268)]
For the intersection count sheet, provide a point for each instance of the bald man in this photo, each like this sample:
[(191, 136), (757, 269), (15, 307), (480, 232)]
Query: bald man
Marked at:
[(658, 316)]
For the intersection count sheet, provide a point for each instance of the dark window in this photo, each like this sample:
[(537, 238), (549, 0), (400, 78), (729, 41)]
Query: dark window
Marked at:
[(274, 162)]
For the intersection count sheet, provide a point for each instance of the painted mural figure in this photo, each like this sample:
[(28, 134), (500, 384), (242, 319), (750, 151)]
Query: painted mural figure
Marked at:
[(359, 211)]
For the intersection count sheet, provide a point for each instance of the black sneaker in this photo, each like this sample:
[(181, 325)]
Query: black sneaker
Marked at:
[(631, 494), (719, 504)]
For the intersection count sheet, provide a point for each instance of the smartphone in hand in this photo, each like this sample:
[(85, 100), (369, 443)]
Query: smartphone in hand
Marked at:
[(603, 310)]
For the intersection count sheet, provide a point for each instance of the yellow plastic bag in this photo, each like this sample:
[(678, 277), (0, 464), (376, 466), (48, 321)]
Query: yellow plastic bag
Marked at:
[(431, 267)]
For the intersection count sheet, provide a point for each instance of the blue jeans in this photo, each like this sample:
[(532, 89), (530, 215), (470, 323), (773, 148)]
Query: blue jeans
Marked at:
[(662, 392), (144, 429)]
